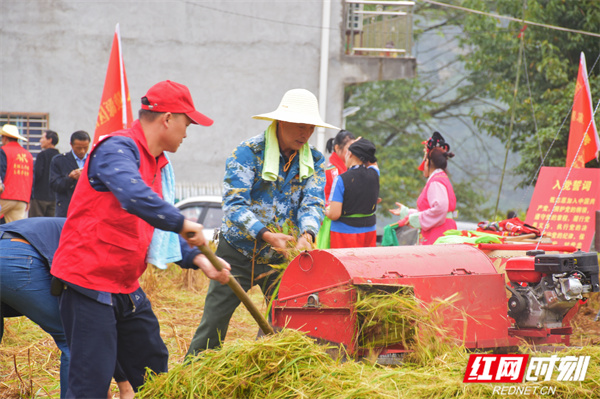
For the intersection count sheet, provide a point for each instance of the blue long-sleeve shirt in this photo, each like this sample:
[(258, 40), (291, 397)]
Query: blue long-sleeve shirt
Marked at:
[(251, 204), (114, 167)]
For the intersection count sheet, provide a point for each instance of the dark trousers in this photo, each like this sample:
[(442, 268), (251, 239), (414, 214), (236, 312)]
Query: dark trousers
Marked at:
[(39, 208), (221, 301), (98, 335)]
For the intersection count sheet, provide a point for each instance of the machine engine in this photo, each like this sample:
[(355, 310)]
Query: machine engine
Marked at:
[(545, 287)]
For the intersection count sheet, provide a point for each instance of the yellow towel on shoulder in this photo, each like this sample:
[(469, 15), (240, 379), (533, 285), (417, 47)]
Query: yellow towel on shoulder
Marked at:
[(271, 159)]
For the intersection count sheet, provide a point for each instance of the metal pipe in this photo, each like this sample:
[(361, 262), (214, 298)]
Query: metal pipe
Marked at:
[(597, 233)]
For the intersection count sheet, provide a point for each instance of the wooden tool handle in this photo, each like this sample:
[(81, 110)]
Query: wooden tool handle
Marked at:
[(239, 292)]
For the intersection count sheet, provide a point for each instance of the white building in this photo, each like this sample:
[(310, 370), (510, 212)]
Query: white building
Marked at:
[(237, 57)]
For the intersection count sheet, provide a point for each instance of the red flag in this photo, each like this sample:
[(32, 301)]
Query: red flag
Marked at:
[(583, 137), (112, 116)]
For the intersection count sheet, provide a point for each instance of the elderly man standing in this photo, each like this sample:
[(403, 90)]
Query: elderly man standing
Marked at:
[(16, 172), (272, 180), (117, 204), (43, 202), (65, 170)]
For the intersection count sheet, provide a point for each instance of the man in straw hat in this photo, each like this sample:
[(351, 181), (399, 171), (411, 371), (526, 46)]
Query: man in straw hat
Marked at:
[(106, 238), (16, 171), (273, 189)]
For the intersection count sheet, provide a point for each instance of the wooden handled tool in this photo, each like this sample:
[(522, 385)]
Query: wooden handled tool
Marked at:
[(239, 292)]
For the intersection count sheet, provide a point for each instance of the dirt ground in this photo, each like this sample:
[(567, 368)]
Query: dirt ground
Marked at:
[(586, 331)]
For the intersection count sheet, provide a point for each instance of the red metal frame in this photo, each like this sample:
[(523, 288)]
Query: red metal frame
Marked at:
[(477, 318), (319, 288)]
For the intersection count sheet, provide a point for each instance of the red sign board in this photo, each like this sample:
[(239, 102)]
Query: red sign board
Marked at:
[(565, 207)]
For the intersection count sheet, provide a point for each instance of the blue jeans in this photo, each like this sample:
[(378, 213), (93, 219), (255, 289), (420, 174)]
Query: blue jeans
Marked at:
[(25, 286)]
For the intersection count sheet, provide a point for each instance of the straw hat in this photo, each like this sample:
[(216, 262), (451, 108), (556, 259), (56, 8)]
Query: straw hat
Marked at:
[(297, 106), (11, 131)]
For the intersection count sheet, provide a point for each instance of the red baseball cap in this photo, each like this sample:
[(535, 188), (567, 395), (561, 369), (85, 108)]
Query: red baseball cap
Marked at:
[(173, 97)]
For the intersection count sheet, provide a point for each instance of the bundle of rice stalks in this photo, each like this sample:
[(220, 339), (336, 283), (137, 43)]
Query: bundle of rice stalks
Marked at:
[(194, 280), (386, 318), (153, 279), (290, 252), (389, 318)]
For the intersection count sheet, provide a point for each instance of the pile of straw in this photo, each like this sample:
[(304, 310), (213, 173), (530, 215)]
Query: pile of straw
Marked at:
[(284, 365), (290, 365)]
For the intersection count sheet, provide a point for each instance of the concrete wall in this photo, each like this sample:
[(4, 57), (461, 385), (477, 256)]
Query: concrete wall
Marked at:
[(237, 58)]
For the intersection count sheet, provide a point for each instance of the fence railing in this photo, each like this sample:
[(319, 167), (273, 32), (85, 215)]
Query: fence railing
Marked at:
[(187, 189), (379, 28)]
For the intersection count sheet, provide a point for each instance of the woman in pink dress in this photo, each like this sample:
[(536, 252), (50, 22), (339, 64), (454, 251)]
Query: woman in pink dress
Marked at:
[(437, 202)]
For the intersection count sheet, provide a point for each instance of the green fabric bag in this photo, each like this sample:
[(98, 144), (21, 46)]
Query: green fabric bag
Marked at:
[(389, 238), (324, 238)]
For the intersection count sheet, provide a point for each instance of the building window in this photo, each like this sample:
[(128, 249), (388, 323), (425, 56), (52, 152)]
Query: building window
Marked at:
[(379, 28), (30, 125)]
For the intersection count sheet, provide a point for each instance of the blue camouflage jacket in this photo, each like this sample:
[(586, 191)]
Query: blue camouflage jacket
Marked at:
[(251, 203)]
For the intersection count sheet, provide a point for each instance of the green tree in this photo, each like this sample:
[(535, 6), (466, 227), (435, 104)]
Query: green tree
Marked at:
[(399, 115), (398, 128), (498, 58), (546, 61)]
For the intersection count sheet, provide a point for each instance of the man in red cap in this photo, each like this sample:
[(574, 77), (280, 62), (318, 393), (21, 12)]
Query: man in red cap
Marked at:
[(104, 243)]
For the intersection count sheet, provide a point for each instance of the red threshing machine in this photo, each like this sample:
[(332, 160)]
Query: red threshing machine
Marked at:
[(319, 288)]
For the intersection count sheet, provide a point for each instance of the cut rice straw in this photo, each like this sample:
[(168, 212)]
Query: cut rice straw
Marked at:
[(389, 318), (290, 365)]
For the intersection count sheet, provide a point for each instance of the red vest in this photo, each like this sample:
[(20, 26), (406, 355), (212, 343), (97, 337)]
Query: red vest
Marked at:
[(429, 236), (103, 247), (335, 168), (19, 173)]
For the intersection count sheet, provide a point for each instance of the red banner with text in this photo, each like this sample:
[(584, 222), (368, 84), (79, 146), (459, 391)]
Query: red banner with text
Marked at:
[(566, 206)]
